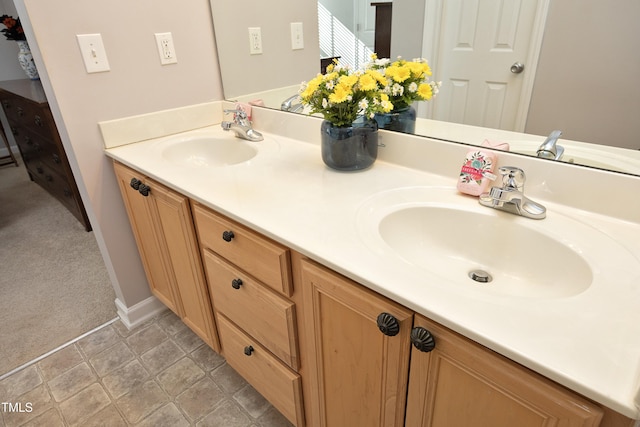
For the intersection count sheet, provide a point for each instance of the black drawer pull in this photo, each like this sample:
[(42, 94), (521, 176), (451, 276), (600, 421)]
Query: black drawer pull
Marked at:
[(144, 190), (228, 236), (422, 339), (37, 120), (248, 350), (135, 183), (20, 112), (236, 283)]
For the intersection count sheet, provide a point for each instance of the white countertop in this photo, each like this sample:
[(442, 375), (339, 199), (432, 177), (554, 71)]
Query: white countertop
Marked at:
[(589, 342)]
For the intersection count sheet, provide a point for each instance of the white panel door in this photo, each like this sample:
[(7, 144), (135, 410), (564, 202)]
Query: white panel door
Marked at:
[(480, 41), (365, 15)]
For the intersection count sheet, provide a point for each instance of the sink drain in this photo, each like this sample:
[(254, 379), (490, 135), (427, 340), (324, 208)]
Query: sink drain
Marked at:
[(480, 276)]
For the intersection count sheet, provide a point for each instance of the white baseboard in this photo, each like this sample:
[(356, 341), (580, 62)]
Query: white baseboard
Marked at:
[(140, 312)]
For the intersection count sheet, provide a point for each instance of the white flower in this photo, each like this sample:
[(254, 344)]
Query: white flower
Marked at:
[(325, 103), (413, 87), (329, 85), (363, 104), (397, 89)]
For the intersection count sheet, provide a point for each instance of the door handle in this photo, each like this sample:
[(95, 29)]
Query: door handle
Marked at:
[(517, 67)]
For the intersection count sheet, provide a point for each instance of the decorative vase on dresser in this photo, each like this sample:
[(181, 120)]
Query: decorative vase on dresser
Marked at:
[(349, 148), (34, 130), (25, 58)]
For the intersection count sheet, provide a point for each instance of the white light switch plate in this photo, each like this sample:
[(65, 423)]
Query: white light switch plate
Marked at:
[(297, 37), (93, 53)]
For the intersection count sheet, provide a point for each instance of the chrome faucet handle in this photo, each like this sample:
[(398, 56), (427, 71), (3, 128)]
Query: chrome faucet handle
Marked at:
[(513, 178), (238, 113)]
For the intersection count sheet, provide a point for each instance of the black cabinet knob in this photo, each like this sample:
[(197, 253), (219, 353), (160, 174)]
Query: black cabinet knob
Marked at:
[(388, 324), (422, 339), (236, 283), (248, 350), (144, 190), (56, 159), (227, 236), (37, 120), (39, 169), (135, 183), (20, 112)]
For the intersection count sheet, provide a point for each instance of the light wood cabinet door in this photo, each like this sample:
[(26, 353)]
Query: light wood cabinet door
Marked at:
[(144, 220), (461, 384), (166, 238), (357, 374)]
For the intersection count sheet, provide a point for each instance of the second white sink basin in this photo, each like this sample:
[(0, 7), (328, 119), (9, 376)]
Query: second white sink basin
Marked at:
[(452, 236)]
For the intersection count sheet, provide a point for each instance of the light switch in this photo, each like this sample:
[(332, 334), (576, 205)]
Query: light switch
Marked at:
[(297, 38), (93, 53)]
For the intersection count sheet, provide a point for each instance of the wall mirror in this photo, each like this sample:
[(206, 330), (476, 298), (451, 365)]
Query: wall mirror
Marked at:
[(585, 80)]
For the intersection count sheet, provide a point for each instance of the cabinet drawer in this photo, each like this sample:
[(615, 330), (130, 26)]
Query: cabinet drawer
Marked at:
[(277, 383), (54, 183), (35, 147), (30, 114), (259, 311), (263, 258)]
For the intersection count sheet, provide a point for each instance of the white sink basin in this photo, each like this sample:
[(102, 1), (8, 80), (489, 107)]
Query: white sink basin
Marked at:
[(209, 151), (451, 236)]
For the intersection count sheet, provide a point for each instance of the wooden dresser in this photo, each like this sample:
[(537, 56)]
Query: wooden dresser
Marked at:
[(27, 111)]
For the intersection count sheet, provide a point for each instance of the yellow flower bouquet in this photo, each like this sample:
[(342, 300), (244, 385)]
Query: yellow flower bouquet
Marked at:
[(407, 81), (342, 95)]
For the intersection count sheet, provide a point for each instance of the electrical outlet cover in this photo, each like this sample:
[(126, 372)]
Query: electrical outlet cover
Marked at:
[(165, 48), (255, 41)]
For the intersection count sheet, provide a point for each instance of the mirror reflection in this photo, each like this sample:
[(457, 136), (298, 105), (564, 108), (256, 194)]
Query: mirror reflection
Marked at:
[(555, 65)]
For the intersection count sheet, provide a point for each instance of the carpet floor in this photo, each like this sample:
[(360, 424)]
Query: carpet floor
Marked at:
[(54, 285)]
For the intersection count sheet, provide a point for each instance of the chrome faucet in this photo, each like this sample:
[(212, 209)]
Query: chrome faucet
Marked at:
[(510, 197), (550, 149), (241, 125), (288, 105)]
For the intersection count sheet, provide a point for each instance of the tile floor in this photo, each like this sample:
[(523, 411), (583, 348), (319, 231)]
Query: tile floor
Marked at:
[(159, 374)]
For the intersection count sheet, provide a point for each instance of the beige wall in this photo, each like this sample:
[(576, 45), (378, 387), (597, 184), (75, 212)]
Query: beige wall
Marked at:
[(136, 84), (587, 78), (278, 65)]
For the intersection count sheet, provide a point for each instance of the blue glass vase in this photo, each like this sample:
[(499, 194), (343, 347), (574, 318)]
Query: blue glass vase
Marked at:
[(400, 120), (349, 148)]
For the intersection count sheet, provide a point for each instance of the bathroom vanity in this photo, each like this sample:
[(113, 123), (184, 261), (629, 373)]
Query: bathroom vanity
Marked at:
[(305, 280)]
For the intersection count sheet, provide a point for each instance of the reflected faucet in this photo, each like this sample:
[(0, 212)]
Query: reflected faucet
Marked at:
[(241, 125), (550, 148), (288, 105), (510, 197)]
